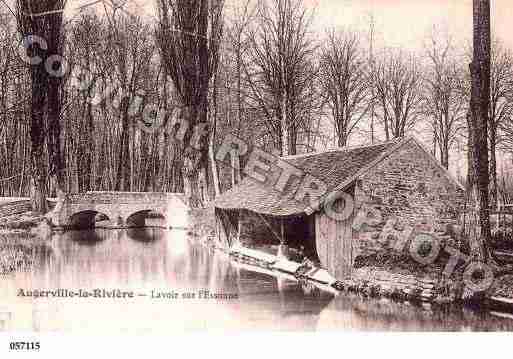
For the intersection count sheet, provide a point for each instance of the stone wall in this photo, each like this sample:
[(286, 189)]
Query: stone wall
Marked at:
[(404, 194), (388, 282), (119, 197)]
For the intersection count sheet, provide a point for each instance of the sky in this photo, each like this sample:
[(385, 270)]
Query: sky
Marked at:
[(399, 23), (407, 23)]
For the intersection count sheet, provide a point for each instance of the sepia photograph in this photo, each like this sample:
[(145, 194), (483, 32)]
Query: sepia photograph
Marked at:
[(255, 166)]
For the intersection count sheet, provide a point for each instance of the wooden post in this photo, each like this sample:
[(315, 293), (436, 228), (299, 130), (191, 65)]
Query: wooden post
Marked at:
[(511, 217), (497, 219), (235, 168), (223, 236), (282, 249), (282, 231), (239, 227)]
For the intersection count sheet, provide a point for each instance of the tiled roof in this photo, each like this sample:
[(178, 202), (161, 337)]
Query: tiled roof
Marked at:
[(333, 167)]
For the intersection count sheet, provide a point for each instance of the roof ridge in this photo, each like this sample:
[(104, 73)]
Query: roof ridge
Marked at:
[(444, 170), (342, 149)]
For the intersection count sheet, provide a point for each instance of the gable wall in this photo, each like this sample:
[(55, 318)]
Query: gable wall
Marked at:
[(408, 187)]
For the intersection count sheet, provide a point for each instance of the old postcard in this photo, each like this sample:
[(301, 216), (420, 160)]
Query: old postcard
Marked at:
[(176, 166)]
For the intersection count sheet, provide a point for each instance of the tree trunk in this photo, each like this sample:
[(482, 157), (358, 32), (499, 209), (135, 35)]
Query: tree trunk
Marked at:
[(212, 141), (213, 164), (284, 128), (342, 139), (385, 121), (56, 161), (284, 116), (472, 228), (124, 165), (493, 166), (292, 141), (39, 170), (190, 172), (445, 154), (191, 76), (196, 155), (88, 180), (479, 103), (235, 168)]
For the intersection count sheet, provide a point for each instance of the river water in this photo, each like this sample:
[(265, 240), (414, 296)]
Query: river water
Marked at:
[(168, 276)]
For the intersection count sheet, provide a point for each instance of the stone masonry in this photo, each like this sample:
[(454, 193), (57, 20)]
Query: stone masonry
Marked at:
[(119, 206), (406, 191)]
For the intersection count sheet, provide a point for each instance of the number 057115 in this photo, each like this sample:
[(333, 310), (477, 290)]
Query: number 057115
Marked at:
[(24, 346)]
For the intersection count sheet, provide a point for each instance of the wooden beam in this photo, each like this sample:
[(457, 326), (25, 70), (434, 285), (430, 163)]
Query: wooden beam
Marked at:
[(239, 226), (282, 229)]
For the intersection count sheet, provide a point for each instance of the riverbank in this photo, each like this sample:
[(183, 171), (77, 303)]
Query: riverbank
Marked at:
[(388, 274), (16, 251), (20, 229), (24, 222), (372, 282), (503, 287), (391, 275), (17, 214)]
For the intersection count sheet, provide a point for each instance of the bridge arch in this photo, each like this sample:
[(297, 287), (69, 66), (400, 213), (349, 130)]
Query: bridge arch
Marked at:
[(87, 219), (146, 218), (81, 209)]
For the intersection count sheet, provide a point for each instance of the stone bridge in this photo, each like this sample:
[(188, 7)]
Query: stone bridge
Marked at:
[(120, 210)]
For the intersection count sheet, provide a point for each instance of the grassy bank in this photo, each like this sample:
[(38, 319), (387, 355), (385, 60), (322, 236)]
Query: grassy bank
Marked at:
[(19, 229), (16, 214), (16, 251), (21, 222)]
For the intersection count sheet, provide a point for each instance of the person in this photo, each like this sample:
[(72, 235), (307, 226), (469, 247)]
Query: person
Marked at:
[(301, 253)]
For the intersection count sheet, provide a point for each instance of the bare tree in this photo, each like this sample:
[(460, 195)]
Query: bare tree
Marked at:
[(128, 50), (216, 21), (188, 38), (84, 50), (397, 79), (445, 101), (280, 71), (14, 110), (43, 19), (239, 44), (344, 82), (501, 106), (371, 62)]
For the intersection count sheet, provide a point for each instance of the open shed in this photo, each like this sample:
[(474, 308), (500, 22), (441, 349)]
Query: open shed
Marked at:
[(400, 178)]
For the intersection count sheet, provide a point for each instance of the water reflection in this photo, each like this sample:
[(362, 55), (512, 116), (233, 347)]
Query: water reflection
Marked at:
[(87, 238), (145, 234), (155, 261), (358, 313)]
